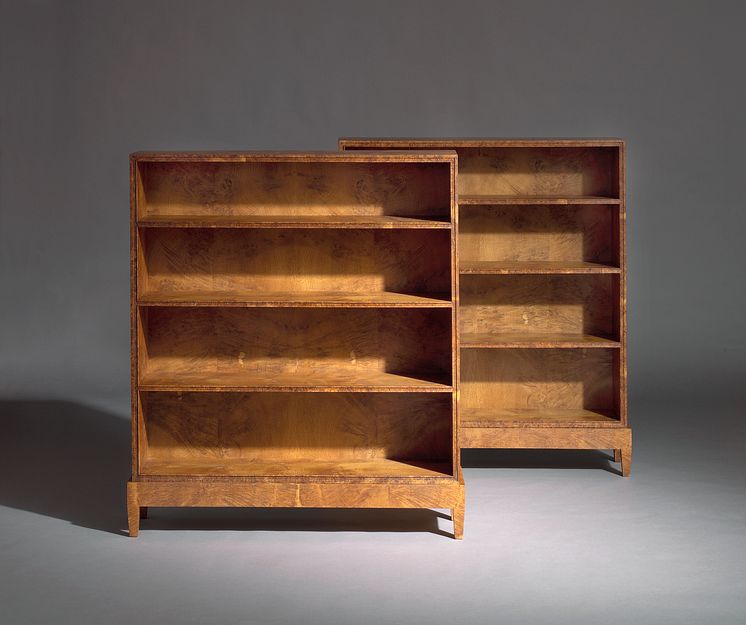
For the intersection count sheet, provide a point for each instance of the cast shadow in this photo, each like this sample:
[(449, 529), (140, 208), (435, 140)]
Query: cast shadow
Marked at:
[(69, 461), (65, 460), (538, 459)]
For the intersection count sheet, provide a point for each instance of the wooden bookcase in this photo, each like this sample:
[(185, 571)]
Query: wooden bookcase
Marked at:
[(543, 291), (294, 331)]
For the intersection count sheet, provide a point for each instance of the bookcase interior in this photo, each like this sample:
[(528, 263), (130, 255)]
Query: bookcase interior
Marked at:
[(301, 434), (538, 305), (548, 233), (538, 171), (301, 189), (533, 386), (227, 348), (248, 264)]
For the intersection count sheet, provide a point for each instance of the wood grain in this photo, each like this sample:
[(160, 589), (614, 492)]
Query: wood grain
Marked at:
[(539, 233), (346, 222), (294, 299), (535, 340), (270, 428), (299, 188), (231, 344), (537, 379), (503, 267), (330, 380), (360, 471), (538, 200), (442, 492), (542, 417), (538, 307), (303, 261), (550, 438)]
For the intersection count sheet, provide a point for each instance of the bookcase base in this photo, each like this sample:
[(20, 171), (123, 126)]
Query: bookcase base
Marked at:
[(231, 493), (618, 439)]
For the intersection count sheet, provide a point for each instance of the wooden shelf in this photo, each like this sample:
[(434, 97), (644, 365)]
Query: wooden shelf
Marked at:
[(297, 299), (329, 382), (497, 267), (290, 221), (546, 417), (493, 200), (490, 340), (300, 470)]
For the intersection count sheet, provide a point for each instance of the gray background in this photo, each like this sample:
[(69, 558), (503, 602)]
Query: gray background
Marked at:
[(550, 537)]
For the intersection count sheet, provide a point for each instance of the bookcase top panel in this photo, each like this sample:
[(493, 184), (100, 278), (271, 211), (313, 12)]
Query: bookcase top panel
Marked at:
[(385, 143), (370, 156)]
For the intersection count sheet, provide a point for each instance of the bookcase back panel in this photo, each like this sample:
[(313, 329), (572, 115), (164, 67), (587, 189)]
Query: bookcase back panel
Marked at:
[(537, 233), (538, 304), (533, 379), (537, 171), (295, 260), (273, 341), (296, 188), (295, 426)]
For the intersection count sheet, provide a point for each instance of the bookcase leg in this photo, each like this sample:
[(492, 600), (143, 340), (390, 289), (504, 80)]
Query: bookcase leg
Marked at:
[(457, 515), (626, 459), (457, 512), (143, 512), (617, 455), (133, 510)]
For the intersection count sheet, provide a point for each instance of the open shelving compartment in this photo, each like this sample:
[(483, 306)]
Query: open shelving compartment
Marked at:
[(543, 291), (294, 331)]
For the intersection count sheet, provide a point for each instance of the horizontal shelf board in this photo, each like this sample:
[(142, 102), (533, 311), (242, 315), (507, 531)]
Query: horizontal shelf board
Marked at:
[(298, 299), (548, 417), (491, 200), (290, 221), (426, 155), (299, 470), (361, 381), (501, 267), (478, 340), (425, 143)]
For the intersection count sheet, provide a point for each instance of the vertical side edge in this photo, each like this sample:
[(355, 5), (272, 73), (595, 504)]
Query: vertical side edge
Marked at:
[(133, 312)]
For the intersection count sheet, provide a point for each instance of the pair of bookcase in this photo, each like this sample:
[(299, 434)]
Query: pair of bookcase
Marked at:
[(300, 337)]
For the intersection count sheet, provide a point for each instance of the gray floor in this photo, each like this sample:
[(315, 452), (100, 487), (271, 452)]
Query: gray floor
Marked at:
[(554, 537)]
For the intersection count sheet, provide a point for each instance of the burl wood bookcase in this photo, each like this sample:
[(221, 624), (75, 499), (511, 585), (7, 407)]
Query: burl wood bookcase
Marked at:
[(294, 336), (543, 291)]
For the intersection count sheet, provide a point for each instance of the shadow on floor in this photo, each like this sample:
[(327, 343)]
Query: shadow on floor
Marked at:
[(291, 520), (539, 459), (70, 461)]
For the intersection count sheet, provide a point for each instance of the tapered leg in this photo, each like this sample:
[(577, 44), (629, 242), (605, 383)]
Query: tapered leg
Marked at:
[(617, 455), (626, 459), (133, 510), (143, 512), (457, 514)]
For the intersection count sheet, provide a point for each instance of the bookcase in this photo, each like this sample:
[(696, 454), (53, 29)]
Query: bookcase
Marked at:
[(294, 331), (543, 329)]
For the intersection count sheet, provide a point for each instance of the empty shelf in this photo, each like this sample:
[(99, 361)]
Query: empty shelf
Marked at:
[(297, 299), (486, 267), (298, 470), (290, 221), (478, 340), (545, 417), (341, 381), (491, 200)]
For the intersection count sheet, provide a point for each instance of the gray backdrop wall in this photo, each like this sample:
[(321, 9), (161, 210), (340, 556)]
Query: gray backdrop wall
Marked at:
[(83, 84)]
